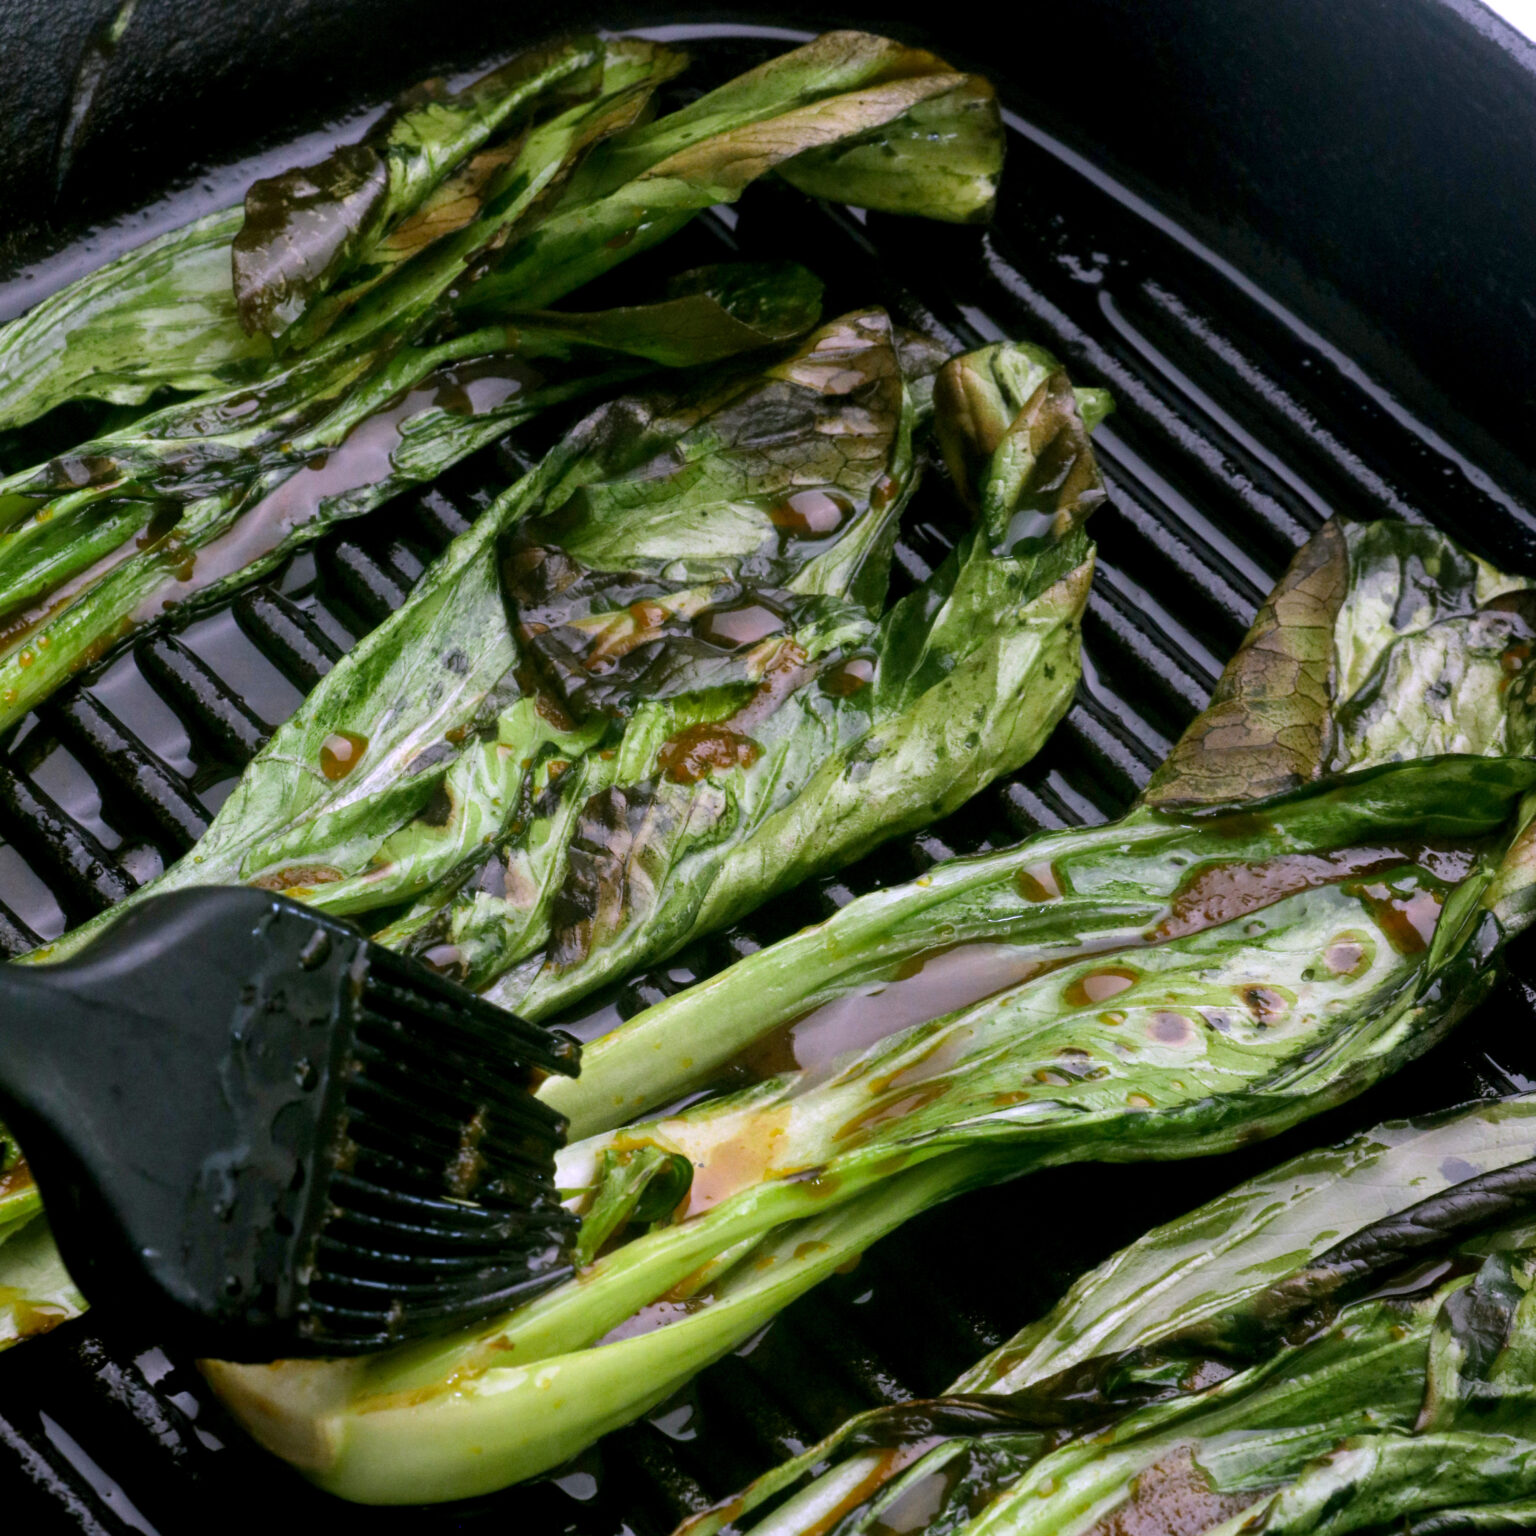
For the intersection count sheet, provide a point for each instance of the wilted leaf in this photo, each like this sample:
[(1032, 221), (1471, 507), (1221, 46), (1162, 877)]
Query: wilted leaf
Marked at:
[(305, 227), (1268, 728)]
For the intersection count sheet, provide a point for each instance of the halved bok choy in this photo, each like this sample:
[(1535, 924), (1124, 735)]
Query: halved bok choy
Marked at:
[(1342, 1344), (363, 323), (1313, 889)]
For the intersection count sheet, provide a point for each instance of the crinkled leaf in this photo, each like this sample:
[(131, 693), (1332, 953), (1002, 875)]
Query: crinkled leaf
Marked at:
[(844, 89), (1266, 729), (739, 760), (161, 317), (1382, 643), (455, 217), (140, 554), (940, 159), (979, 398), (306, 226), (1431, 651)]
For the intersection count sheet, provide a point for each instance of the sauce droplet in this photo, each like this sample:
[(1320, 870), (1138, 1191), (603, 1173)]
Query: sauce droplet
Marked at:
[(810, 514), (734, 1164), (1099, 986), (848, 677), (340, 753), (1407, 918), (164, 518), (1040, 882), (1266, 1004), (1219, 893), (740, 624), (1348, 954), (1170, 1029), (888, 1108), (695, 753), (298, 877)]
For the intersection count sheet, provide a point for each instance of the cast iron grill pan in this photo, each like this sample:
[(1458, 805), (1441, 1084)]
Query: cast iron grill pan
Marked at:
[(1238, 430)]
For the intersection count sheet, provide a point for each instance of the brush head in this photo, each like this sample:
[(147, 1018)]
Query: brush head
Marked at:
[(293, 1140)]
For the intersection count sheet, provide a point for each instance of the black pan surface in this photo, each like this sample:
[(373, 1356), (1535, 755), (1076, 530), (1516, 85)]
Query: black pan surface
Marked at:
[(1295, 240)]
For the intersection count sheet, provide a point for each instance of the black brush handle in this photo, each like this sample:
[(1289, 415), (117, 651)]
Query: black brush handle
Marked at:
[(227, 1097), (175, 1081)]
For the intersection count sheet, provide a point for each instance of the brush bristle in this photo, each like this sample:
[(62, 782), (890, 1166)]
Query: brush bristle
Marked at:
[(441, 1207)]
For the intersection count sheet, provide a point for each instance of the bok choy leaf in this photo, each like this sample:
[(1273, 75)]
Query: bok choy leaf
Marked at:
[(1307, 1352), (406, 280), (1215, 966), (653, 683), (36, 1293), (93, 565)]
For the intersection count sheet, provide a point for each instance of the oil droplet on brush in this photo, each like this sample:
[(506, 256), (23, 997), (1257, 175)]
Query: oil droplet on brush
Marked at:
[(340, 753)]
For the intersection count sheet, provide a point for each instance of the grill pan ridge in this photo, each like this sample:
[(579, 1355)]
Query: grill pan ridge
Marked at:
[(1238, 430)]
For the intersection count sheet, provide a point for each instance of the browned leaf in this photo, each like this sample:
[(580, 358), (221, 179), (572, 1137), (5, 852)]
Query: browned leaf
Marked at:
[(1267, 726)]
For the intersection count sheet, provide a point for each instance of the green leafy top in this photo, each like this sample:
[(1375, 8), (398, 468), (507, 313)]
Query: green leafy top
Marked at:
[(673, 627), (839, 730), (437, 242), (306, 227), (447, 189), (1383, 642)]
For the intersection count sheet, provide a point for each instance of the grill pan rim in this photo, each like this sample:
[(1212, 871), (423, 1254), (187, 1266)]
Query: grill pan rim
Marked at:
[(80, 1497)]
